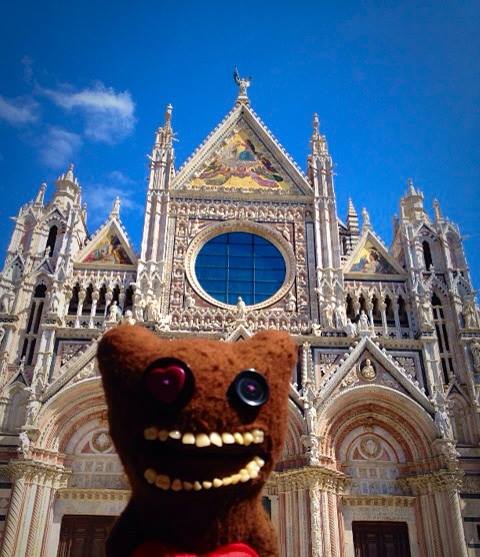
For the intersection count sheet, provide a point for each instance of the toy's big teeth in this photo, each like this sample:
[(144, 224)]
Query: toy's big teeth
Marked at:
[(203, 439), (249, 472)]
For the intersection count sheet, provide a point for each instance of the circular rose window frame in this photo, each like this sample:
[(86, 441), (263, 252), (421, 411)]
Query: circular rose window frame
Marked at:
[(265, 232)]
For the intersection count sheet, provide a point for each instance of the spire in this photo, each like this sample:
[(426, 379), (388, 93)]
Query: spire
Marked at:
[(67, 186), (352, 218), (115, 212), (411, 188), (437, 210), (366, 221), (318, 141), (412, 204), (164, 137), (168, 116), (243, 84), (68, 176), (39, 199)]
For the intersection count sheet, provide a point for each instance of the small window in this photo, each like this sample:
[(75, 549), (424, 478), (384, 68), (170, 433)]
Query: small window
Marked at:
[(51, 240), (427, 255)]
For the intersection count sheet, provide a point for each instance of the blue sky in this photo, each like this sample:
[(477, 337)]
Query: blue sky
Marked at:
[(396, 86)]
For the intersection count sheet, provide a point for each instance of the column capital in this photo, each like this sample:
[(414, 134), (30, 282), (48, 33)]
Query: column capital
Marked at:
[(308, 477), (38, 473), (441, 481)]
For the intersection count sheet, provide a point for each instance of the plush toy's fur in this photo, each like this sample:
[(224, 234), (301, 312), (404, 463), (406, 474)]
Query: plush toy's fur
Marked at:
[(189, 520)]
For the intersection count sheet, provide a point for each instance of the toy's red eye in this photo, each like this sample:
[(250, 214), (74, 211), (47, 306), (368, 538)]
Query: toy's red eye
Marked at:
[(169, 380)]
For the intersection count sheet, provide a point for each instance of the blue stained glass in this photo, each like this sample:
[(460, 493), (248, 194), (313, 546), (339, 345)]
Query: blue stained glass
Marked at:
[(240, 264)]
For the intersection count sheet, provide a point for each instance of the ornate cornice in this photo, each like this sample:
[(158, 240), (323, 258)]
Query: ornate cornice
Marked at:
[(38, 473), (94, 494), (443, 480), (378, 500), (309, 477)]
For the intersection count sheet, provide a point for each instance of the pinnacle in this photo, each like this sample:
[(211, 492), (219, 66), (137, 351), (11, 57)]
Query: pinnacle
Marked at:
[(351, 207), (168, 114), (411, 188), (366, 220), (115, 212)]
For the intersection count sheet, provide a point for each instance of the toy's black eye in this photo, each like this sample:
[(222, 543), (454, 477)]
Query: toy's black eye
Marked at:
[(170, 381), (249, 388)]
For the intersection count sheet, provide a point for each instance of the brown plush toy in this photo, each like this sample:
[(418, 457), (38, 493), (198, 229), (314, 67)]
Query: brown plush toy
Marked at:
[(198, 425)]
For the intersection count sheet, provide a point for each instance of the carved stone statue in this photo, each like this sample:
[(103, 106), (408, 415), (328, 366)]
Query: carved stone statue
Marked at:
[(241, 308), (470, 313), (2, 334), (189, 301), (113, 312), (367, 371), (442, 422), (340, 316), (350, 328), (138, 304), (7, 301), (290, 305), (311, 444), (475, 350), (55, 299), (425, 314), (151, 309), (32, 410), (128, 318), (363, 324), (24, 444), (242, 82), (327, 316)]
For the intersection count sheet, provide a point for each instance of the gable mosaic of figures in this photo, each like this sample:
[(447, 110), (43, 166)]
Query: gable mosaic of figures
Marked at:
[(383, 432)]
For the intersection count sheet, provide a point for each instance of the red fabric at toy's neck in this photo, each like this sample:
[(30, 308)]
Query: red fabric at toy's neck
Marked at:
[(150, 549)]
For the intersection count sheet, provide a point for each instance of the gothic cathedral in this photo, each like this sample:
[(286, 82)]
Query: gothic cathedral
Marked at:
[(382, 453)]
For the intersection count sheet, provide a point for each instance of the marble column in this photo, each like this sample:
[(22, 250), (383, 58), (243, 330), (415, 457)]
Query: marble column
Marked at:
[(459, 545), (32, 495), (14, 515)]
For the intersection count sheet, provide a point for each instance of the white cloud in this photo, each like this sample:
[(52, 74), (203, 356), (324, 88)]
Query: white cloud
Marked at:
[(118, 177), (58, 147), (18, 111), (101, 195), (109, 115)]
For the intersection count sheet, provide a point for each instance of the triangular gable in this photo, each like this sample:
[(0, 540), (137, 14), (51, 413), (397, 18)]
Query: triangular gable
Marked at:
[(82, 367), (371, 258), (108, 248), (241, 155), (383, 363), (45, 267), (239, 333), (55, 214)]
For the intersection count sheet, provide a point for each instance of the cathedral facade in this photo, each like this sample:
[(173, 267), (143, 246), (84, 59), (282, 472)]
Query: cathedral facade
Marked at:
[(382, 451)]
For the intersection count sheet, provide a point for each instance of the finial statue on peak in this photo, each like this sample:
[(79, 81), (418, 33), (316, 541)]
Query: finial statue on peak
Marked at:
[(243, 84), (115, 212)]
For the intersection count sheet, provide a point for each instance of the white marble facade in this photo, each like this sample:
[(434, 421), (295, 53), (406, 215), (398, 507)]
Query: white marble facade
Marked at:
[(384, 422)]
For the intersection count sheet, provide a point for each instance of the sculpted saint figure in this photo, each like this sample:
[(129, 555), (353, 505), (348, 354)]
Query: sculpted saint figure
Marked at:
[(368, 371)]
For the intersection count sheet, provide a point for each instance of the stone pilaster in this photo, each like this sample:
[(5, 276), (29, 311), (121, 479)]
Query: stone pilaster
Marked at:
[(441, 490), (34, 485), (323, 487)]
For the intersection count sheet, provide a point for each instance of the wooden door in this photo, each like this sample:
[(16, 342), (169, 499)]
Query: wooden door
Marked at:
[(84, 535), (381, 539)]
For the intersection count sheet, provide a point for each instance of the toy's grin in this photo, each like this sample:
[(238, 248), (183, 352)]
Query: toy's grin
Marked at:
[(239, 458)]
